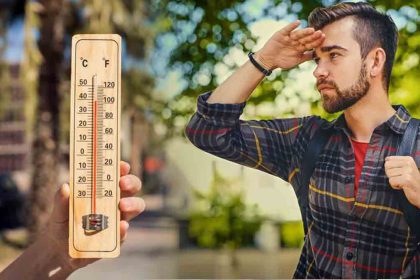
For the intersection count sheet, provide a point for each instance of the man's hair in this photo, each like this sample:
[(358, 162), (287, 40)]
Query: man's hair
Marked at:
[(371, 29)]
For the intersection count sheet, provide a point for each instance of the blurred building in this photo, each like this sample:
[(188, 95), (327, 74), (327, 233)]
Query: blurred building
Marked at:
[(14, 143)]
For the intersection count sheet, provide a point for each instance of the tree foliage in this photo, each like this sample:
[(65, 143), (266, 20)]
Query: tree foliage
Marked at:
[(205, 31)]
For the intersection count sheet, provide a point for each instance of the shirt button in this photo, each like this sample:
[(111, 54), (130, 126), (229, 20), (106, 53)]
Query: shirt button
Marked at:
[(348, 180), (349, 256)]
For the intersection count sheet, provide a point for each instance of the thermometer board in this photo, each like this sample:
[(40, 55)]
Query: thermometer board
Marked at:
[(94, 215)]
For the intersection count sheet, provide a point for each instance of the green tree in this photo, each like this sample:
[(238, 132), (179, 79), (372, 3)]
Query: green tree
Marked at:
[(204, 32)]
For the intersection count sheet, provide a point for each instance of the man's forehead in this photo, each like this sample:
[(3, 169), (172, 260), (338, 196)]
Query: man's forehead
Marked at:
[(340, 27), (338, 36)]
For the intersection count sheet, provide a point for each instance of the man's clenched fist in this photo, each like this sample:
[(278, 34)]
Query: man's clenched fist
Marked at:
[(404, 175)]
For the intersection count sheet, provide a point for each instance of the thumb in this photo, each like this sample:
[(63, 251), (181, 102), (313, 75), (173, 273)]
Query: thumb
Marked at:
[(61, 204)]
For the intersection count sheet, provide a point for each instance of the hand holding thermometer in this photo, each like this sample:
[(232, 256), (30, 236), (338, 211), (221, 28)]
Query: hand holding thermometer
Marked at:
[(95, 146)]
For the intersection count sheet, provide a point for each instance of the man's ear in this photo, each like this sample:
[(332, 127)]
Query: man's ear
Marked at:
[(378, 58)]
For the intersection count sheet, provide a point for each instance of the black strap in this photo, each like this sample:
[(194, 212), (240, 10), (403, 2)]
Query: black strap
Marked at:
[(406, 148), (315, 146), (266, 72)]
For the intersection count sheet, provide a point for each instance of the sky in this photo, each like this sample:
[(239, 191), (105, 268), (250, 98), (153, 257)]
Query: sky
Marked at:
[(15, 37)]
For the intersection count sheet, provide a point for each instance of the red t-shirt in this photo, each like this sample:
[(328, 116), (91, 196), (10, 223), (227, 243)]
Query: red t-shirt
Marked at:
[(359, 149)]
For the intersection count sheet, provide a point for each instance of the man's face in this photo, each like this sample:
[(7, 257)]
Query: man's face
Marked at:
[(340, 73)]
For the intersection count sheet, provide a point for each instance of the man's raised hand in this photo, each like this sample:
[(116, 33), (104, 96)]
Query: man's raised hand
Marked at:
[(289, 47)]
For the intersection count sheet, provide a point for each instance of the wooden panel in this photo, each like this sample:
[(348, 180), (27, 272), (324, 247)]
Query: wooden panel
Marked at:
[(95, 146)]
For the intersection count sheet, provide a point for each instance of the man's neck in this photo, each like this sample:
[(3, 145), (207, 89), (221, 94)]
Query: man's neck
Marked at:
[(368, 113)]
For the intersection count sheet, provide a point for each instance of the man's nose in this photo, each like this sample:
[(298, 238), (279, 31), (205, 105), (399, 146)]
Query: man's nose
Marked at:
[(320, 72)]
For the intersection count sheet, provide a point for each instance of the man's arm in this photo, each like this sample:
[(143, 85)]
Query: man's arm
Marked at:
[(265, 145), (268, 146), (285, 49)]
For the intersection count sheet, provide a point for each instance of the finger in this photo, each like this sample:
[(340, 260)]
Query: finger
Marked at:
[(396, 182), (124, 225), (290, 27), (300, 48), (294, 43), (301, 33), (392, 172), (60, 212), (131, 207), (396, 164), (129, 185), (308, 39), (398, 158), (403, 161), (307, 56), (315, 44), (124, 168)]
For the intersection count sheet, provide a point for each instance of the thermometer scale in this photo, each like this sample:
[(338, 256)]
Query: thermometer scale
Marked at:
[(94, 146)]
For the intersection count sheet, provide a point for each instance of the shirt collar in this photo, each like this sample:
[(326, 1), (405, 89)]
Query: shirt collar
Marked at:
[(397, 122)]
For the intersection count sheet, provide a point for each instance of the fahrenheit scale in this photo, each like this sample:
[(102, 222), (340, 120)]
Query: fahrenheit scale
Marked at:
[(95, 146)]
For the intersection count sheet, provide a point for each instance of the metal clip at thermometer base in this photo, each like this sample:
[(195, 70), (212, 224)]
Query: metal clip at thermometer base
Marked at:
[(94, 216), (94, 223)]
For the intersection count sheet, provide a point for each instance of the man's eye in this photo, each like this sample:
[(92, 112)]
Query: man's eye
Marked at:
[(316, 60), (333, 55)]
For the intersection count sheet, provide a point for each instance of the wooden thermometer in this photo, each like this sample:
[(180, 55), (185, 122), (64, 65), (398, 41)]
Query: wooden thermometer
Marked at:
[(94, 230)]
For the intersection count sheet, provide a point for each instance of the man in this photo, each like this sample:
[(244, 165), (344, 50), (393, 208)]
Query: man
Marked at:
[(355, 226), (48, 257)]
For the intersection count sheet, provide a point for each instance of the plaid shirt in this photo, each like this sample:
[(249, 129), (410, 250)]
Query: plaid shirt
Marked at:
[(362, 236)]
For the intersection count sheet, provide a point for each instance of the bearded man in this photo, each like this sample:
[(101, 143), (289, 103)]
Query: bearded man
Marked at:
[(356, 228)]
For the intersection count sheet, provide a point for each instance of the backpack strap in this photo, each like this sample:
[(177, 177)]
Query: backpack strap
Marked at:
[(315, 146), (406, 148)]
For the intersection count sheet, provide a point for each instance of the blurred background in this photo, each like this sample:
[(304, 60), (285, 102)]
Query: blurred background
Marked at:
[(205, 217)]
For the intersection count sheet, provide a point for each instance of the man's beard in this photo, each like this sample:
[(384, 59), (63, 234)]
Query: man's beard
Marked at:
[(348, 97)]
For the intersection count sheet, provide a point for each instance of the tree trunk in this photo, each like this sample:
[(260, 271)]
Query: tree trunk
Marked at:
[(45, 157), (139, 134)]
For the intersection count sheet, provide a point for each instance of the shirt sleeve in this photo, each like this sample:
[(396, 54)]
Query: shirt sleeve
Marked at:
[(266, 145)]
